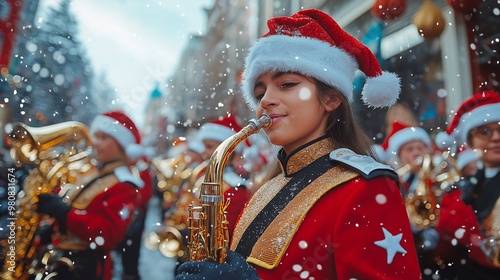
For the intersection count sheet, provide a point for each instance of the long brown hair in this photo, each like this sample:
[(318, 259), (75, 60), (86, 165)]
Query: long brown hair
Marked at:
[(342, 126)]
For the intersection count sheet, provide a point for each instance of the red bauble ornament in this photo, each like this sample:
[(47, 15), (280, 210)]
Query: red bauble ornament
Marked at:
[(387, 10), (464, 6)]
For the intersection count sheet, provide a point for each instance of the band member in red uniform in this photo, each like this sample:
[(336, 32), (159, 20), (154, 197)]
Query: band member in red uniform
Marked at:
[(408, 148), (130, 248), (94, 219), (329, 210), (470, 210)]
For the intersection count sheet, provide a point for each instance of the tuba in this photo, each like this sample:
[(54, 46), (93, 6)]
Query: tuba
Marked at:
[(58, 154), (208, 236)]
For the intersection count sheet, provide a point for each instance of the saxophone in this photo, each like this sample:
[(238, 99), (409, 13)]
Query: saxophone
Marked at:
[(59, 154), (208, 236)]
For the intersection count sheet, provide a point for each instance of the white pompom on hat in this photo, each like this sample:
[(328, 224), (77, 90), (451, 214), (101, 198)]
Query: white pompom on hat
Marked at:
[(310, 42), (479, 109), (123, 130)]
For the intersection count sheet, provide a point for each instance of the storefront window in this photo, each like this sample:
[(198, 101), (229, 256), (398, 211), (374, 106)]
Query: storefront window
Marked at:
[(422, 85), (422, 100)]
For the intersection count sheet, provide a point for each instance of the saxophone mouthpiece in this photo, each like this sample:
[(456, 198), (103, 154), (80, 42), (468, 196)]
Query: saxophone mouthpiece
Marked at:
[(263, 122)]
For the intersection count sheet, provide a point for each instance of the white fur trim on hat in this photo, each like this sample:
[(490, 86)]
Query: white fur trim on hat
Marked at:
[(466, 157), (121, 134), (136, 151), (479, 116), (406, 135), (217, 132), (308, 56), (196, 146)]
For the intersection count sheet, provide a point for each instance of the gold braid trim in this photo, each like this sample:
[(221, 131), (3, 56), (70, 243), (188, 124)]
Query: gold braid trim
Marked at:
[(272, 244), (98, 187), (70, 192), (258, 201)]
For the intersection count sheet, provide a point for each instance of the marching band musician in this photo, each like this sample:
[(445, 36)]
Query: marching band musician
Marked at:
[(470, 210), (129, 249), (405, 148), (93, 219), (328, 210)]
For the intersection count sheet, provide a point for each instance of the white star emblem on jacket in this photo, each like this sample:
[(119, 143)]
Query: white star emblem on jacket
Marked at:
[(391, 244)]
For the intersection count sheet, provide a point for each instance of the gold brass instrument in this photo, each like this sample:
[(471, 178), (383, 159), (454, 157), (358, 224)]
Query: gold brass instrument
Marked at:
[(436, 174), (422, 204), (171, 174), (59, 154), (208, 237), (491, 248), (169, 239), (446, 172)]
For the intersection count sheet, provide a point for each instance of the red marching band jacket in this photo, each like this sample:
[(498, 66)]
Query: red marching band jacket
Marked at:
[(101, 213), (340, 226), (457, 221)]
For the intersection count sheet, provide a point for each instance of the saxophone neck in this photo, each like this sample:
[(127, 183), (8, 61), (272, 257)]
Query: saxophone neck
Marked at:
[(218, 160)]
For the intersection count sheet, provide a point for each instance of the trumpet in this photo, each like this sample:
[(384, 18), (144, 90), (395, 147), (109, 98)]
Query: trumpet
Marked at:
[(208, 236)]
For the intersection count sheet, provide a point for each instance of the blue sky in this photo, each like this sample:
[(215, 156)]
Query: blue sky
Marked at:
[(137, 42)]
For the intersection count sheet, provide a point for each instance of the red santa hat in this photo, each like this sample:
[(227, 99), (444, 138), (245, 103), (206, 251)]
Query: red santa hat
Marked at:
[(219, 129), (465, 156), (123, 130), (479, 109), (310, 42), (401, 134)]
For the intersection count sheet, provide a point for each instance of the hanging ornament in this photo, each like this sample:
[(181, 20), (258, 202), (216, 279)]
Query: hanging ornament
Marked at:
[(429, 20), (387, 10), (464, 6)]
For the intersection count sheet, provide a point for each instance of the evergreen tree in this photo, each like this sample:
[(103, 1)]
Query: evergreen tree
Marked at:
[(56, 73)]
